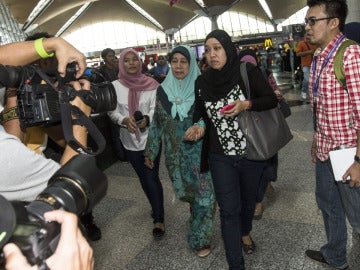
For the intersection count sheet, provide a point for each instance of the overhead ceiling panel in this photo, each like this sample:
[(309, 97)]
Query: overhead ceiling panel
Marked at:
[(179, 14)]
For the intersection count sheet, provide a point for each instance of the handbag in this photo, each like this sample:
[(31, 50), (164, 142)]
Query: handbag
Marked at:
[(266, 132), (284, 107)]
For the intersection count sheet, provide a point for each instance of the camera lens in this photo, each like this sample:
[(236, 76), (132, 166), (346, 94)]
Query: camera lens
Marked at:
[(105, 97), (76, 187)]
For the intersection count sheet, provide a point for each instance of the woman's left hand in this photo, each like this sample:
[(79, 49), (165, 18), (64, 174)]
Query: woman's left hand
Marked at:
[(239, 106), (194, 133)]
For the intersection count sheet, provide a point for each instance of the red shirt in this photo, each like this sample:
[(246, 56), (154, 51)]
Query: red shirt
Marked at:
[(338, 110)]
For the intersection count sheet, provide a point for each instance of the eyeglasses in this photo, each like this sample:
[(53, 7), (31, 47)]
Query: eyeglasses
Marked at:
[(312, 21)]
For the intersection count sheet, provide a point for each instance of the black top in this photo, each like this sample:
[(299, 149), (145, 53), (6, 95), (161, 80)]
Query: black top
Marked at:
[(262, 98)]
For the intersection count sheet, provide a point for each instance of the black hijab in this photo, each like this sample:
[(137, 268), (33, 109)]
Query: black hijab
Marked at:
[(216, 84)]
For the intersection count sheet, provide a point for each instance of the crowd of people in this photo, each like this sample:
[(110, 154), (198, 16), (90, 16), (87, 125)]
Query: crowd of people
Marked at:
[(174, 107)]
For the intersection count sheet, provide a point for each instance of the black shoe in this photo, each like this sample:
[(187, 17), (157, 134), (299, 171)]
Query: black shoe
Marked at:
[(91, 231), (159, 230), (317, 256)]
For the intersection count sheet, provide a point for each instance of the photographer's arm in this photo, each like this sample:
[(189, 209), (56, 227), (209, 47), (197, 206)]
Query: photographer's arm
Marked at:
[(73, 251), (25, 53), (12, 126), (80, 132)]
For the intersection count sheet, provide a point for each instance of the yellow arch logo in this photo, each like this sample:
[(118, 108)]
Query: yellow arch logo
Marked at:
[(268, 42)]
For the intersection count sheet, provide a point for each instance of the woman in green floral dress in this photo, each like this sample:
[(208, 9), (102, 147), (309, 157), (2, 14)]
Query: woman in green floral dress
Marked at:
[(172, 118)]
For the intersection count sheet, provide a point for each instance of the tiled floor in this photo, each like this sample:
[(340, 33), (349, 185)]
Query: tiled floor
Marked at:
[(291, 222)]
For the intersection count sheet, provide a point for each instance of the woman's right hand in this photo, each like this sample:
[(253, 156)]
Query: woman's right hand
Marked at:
[(130, 123)]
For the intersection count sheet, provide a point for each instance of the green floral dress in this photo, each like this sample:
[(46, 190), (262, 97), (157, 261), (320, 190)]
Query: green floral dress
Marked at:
[(182, 159)]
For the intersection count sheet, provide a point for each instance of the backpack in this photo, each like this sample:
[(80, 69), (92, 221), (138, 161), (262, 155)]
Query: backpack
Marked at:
[(338, 62)]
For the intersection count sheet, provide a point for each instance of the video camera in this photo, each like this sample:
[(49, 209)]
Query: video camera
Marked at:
[(76, 187), (39, 100), (41, 103)]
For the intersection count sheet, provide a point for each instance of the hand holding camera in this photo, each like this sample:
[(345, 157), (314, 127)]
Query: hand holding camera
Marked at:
[(67, 254)]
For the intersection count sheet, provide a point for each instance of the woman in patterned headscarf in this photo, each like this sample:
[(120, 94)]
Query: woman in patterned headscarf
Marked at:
[(136, 94), (235, 178), (172, 117)]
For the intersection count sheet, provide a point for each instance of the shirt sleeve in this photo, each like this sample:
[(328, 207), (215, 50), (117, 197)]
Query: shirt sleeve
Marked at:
[(352, 72), (24, 174)]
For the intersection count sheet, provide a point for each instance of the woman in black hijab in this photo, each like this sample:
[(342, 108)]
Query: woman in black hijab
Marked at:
[(235, 178)]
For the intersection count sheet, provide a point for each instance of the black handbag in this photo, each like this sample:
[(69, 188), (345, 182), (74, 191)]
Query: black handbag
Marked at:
[(284, 107), (266, 132)]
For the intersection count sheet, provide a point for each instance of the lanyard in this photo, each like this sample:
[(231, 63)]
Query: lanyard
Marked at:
[(324, 64)]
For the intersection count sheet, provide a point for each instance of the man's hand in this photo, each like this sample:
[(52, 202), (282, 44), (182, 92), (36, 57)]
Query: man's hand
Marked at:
[(73, 251), (353, 173)]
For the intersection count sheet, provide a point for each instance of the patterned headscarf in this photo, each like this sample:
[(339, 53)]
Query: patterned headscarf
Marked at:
[(136, 83), (181, 92)]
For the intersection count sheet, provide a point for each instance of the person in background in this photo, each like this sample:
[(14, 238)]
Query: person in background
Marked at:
[(270, 171), (72, 252), (151, 63), (172, 117), (305, 51), (336, 113), (136, 95), (109, 69), (161, 69), (235, 178)]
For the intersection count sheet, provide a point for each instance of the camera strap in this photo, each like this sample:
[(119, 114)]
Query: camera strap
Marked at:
[(68, 111)]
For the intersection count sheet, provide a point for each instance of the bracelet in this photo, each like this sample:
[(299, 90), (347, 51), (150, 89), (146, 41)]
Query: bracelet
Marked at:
[(38, 43), (357, 159), (9, 114)]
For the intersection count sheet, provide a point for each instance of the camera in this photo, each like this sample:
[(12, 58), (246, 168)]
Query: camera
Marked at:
[(39, 100), (76, 187)]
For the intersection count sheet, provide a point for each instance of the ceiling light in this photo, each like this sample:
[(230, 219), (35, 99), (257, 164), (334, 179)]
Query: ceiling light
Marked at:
[(200, 3), (145, 14), (39, 8), (266, 8)]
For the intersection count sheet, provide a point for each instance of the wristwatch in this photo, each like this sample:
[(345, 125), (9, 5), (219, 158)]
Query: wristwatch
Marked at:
[(357, 159)]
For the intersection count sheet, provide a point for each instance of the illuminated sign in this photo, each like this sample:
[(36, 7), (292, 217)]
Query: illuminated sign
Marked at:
[(268, 42)]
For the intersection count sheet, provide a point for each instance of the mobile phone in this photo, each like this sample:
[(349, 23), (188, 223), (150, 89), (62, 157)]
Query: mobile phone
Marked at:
[(226, 108)]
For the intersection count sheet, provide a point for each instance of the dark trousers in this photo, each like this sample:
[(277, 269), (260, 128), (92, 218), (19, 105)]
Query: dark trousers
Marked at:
[(116, 142), (269, 174), (236, 182), (150, 182)]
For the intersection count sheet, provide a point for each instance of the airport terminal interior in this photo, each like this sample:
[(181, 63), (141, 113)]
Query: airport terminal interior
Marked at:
[(291, 222)]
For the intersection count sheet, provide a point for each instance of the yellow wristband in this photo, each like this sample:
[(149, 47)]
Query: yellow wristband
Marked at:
[(38, 43)]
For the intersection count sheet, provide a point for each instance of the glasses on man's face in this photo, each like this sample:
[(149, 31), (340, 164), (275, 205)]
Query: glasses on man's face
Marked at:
[(312, 21)]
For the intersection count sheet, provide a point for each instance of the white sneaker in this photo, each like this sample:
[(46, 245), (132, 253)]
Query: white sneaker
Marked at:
[(303, 95)]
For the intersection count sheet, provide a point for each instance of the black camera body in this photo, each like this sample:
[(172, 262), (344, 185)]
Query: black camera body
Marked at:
[(76, 187), (39, 100)]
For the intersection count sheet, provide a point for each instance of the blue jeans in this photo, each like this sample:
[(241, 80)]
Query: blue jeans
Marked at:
[(305, 82), (236, 182), (334, 199), (150, 182)]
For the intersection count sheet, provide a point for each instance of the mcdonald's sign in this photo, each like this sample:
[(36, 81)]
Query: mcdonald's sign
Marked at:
[(268, 42)]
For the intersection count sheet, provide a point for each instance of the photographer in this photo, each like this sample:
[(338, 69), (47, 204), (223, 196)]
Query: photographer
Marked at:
[(66, 256), (24, 174)]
